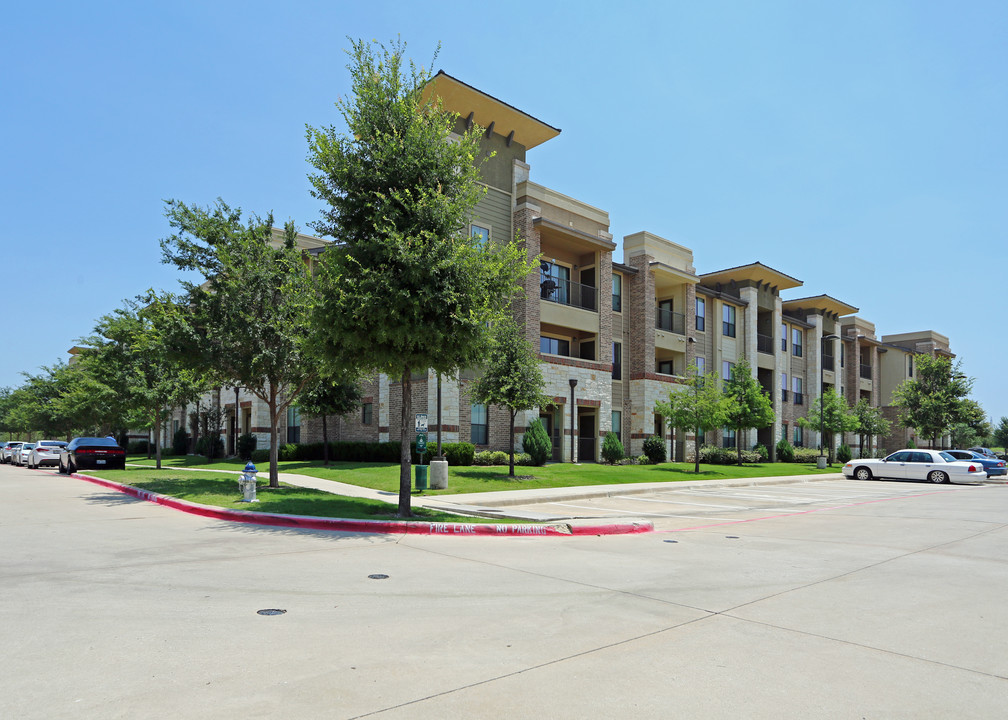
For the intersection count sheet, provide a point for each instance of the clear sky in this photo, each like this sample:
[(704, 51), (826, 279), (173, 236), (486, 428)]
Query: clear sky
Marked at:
[(860, 147)]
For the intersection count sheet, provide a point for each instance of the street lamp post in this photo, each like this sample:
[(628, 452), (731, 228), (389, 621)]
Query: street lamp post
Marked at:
[(821, 460)]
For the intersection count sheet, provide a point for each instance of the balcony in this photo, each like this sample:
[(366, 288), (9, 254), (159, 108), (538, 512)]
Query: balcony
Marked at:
[(764, 344), (570, 293), (670, 321), (866, 372)]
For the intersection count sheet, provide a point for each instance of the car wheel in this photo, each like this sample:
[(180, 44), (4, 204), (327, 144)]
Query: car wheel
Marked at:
[(71, 468), (937, 476), (863, 473)]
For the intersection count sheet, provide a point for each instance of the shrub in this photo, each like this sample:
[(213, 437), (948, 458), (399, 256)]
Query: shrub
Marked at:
[(537, 443), (288, 451), (180, 442), (137, 447), (612, 448), (457, 454), (211, 446), (523, 459), (247, 445), (805, 455), (725, 456), (654, 448), (762, 452), (260, 456), (483, 457), (785, 451), (843, 453)]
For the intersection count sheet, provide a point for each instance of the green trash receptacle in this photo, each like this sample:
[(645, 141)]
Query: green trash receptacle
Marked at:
[(421, 477)]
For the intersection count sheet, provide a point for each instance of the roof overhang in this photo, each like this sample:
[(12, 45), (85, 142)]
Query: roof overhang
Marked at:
[(487, 111), (576, 238), (755, 272), (668, 277), (824, 303)]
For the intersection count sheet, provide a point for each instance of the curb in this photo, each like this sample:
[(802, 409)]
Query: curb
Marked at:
[(398, 527)]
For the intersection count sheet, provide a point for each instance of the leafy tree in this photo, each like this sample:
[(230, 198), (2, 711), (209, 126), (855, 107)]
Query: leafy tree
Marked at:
[(131, 352), (870, 423), (836, 418), (1000, 433), (407, 288), (537, 443), (971, 427), (512, 377), (748, 406), (933, 400), (697, 405), (62, 399), (329, 395), (247, 324)]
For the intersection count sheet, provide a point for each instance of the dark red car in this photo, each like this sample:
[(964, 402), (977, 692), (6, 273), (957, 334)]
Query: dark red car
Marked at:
[(92, 452)]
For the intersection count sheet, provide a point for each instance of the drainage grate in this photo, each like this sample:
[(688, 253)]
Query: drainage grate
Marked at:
[(378, 576), (732, 537), (271, 611), (670, 541)]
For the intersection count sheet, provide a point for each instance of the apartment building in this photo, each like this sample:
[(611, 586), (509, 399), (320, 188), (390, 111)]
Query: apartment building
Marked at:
[(614, 337)]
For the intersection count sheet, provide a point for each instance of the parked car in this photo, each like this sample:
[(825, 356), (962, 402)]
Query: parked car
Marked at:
[(45, 452), (987, 452), (993, 466), (20, 457), (7, 450), (934, 466), (91, 452)]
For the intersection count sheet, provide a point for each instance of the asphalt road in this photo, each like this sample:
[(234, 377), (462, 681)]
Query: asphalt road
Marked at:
[(888, 606)]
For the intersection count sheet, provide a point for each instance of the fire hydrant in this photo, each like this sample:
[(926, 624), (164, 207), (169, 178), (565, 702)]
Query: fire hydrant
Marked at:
[(247, 483)]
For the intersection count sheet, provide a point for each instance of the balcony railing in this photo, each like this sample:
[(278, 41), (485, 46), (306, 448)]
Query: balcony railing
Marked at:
[(568, 292), (827, 362), (670, 321), (764, 344), (866, 372)]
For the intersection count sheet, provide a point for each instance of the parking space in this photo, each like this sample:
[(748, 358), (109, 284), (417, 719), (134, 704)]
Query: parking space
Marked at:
[(682, 508)]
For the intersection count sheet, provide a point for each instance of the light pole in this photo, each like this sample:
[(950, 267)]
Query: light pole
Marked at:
[(821, 460)]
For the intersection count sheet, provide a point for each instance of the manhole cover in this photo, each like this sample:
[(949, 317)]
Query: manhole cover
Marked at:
[(378, 576), (271, 611)]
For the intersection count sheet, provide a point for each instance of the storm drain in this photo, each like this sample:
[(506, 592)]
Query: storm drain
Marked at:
[(271, 611), (378, 576)]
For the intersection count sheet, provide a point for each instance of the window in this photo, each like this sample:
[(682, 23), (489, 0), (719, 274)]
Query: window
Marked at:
[(659, 426), (554, 346), (617, 293), (293, 424), (726, 370), (666, 367), (478, 434), (481, 234), (796, 342), (843, 353), (783, 386), (701, 314), (701, 365), (799, 437), (554, 282), (910, 366), (784, 432), (617, 424), (783, 337), (796, 385), (617, 361), (174, 426), (728, 320), (728, 437), (366, 410)]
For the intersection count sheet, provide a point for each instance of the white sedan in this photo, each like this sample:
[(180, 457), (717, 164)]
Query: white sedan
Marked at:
[(931, 465)]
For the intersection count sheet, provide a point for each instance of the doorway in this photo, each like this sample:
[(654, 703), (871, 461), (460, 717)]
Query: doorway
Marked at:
[(587, 436)]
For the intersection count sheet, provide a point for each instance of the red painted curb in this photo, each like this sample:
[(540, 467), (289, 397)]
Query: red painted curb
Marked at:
[(308, 522)]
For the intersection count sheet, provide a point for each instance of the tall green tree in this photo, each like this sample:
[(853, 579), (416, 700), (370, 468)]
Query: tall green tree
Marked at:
[(933, 400), (971, 426), (698, 405), (1000, 433), (870, 422), (246, 321), (407, 288), (836, 416), (747, 405), (327, 395), (511, 378)]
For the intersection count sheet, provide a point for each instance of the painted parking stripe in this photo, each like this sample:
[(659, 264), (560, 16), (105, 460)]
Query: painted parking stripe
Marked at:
[(681, 502)]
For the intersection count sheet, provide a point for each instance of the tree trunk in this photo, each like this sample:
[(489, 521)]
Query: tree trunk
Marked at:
[(404, 452), (325, 441), (696, 451), (511, 446), (274, 475), (157, 439), (738, 444)]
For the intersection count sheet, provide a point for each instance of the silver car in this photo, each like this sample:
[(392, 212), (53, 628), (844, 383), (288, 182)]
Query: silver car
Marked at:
[(912, 464), (7, 450), (45, 452)]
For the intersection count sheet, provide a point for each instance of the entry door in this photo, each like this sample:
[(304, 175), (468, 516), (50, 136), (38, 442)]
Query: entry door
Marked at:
[(586, 437)]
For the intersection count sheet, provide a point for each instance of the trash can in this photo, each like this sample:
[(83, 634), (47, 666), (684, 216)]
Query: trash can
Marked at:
[(421, 477)]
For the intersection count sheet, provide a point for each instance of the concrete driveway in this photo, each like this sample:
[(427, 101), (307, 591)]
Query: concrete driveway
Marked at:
[(121, 608)]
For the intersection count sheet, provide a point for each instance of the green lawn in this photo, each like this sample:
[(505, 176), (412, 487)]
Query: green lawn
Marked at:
[(384, 476), (221, 490)]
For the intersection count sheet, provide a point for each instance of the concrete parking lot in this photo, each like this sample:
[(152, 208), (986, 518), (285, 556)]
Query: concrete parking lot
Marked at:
[(825, 599)]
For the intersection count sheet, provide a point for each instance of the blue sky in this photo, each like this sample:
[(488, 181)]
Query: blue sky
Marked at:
[(859, 147)]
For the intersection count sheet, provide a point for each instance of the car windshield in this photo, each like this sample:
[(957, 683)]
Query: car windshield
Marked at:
[(947, 458)]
